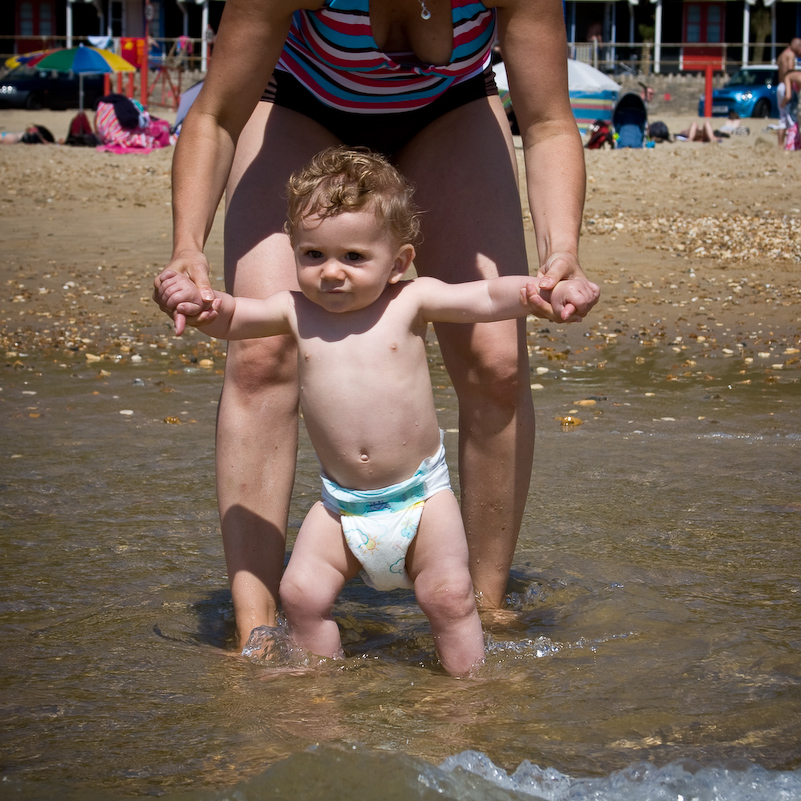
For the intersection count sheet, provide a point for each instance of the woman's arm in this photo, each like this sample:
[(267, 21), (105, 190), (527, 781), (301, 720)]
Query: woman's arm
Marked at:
[(534, 49), (248, 45)]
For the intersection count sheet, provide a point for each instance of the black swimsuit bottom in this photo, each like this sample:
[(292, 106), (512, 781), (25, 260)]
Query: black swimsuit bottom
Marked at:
[(383, 133)]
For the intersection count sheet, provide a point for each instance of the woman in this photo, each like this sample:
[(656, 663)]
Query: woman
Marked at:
[(360, 74)]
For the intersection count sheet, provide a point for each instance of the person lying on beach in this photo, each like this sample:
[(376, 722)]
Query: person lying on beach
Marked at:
[(733, 127), (387, 508), (698, 133), (32, 135)]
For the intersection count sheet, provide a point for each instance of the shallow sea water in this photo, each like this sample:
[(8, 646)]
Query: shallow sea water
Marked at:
[(652, 650)]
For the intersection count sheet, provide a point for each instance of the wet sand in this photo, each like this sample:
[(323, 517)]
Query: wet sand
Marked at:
[(686, 241)]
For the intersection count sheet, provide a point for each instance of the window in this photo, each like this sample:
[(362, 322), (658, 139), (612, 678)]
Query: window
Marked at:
[(26, 19), (703, 23)]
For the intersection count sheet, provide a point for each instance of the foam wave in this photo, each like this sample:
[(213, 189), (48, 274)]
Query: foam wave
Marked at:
[(679, 781)]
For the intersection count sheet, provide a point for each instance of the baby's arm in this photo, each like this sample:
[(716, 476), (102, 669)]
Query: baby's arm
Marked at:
[(230, 317), (789, 79), (503, 298), (788, 91)]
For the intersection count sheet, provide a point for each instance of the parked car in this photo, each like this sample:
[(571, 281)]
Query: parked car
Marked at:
[(30, 88), (751, 92)]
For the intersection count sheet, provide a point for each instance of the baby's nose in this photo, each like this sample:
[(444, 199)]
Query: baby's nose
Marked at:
[(332, 270)]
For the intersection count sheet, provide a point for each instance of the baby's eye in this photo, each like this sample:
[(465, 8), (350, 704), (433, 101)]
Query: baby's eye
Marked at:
[(314, 254), (353, 256)]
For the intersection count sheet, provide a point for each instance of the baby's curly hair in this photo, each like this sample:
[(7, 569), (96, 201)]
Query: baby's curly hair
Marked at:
[(342, 179)]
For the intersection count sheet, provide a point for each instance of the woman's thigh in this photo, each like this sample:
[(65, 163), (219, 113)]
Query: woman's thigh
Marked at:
[(275, 142), (464, 168)]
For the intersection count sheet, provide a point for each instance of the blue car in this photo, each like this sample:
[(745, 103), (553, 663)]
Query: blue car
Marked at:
[(751, 92), (32, 89)]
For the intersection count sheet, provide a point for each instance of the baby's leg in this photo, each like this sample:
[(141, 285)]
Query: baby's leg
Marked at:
[(320, 565), (437, 562)]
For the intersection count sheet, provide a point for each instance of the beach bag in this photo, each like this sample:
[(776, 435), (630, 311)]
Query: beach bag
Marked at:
[(129, 112), (153, 133), (81, 133), (792, 139), (600, 135)]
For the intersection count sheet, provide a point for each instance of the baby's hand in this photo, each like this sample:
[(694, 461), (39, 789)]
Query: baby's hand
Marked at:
[(206, 316), (562, 303), (183, 296)]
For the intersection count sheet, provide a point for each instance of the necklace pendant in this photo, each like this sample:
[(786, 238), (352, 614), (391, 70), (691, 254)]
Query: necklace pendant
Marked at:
[(424, 12)]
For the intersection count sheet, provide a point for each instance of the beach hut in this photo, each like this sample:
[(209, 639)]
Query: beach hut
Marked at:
[(592, 94)]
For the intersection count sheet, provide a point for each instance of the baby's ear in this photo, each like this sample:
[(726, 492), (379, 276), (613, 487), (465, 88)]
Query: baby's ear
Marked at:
[(403, 261)]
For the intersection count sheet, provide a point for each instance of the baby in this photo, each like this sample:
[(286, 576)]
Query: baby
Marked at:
[(387, 507)]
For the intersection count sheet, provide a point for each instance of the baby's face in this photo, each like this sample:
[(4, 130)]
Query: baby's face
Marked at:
[(345, 262)]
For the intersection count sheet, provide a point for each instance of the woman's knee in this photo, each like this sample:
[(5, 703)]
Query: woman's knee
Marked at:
[(493, 371), (255, 364)]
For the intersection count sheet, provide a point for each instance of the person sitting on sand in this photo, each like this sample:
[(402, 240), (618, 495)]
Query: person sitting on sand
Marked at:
[(387, 508), (698, 133)]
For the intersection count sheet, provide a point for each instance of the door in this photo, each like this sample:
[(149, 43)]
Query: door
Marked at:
[(703, 28)]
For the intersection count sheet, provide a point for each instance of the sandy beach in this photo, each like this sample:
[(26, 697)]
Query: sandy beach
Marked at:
[(686, 240)]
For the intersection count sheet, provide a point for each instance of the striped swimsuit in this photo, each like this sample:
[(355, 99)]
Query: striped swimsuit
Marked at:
[(332, 71)]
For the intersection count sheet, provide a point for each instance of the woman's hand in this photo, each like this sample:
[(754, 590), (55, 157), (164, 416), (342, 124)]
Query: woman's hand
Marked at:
[(195, 267), (562, 293)]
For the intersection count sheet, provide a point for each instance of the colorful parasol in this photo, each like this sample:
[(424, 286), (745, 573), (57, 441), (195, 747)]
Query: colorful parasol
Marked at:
[(26, 58), (81, 61)]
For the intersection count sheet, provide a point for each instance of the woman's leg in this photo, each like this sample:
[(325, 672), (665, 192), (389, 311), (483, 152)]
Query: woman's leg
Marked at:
[(257, 420), (465, 170)]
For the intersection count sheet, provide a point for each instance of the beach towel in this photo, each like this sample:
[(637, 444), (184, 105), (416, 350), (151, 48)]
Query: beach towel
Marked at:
[(792, 139)]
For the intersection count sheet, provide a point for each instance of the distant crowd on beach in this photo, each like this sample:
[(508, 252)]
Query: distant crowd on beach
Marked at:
[(787, 95)]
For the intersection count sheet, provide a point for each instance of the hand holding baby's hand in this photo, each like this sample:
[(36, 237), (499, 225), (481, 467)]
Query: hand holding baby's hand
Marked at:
[(567, 302), (561, 292), (186, 301)]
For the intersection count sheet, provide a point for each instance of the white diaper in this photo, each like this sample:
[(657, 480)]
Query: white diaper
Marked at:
[(379, 525)]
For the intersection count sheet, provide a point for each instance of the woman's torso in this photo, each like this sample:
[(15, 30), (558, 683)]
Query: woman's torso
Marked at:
[(335, 52)]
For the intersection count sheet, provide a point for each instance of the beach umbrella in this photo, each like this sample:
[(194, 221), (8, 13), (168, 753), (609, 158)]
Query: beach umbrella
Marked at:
[(82, 60), (592, 93), (26, 58), (582, 77)]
